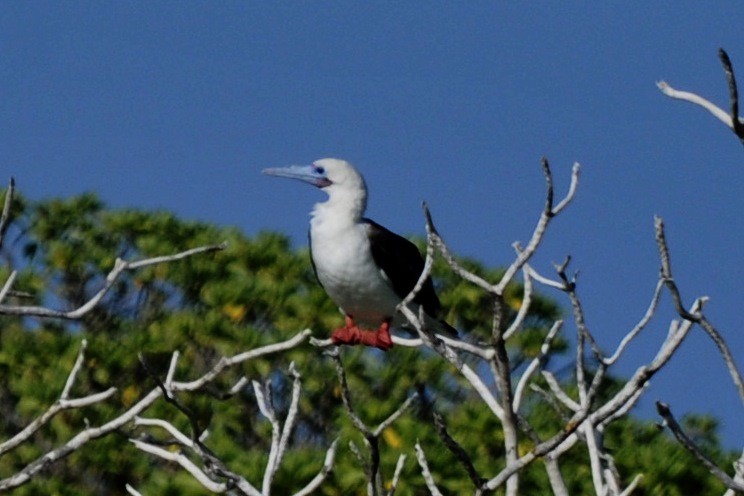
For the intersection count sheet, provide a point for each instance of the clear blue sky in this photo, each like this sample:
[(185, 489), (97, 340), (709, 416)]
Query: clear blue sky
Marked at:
[(179, 105)]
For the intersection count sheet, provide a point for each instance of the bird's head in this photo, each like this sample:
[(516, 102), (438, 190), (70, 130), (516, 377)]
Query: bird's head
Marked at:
[(329, 174)]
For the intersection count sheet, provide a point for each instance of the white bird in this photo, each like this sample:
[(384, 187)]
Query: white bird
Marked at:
[(366, 269)]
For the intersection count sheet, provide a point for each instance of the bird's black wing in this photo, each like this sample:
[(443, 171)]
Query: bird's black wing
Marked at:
[(402, 264)]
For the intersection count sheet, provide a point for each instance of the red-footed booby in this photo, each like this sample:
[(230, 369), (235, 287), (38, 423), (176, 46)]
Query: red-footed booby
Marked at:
[(366, 269)]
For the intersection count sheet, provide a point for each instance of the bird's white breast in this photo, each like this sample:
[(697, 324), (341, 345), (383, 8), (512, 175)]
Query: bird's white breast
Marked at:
[(345, 267)]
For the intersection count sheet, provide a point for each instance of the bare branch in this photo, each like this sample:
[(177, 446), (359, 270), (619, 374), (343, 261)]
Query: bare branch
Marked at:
[(188, 465), (542, 224), (132, 490), (8, 285), (556, 389), (481, 351), (425, 471), (438, 242), (697, 317), (688, 443), (346, 396), (457, 450), (428, 264), (229, 362), (523, 308), (728, 69), (732, 119), (533, 366), (119, 267), (686, 96), (324, 471), (91, 433), (666, 271), (396, 475), (63, 403), (557, 484), (75, 369), (639, 327), (5, 216), (728, 357), (395, 415), (538, 451), (739, 474)]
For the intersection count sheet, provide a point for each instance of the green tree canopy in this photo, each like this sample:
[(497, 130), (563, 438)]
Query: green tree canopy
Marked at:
[(259, 290)]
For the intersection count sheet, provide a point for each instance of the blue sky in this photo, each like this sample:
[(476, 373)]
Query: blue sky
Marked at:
[(179, 105)]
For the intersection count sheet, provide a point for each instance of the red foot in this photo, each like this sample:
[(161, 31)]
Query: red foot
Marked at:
[(352, 334)]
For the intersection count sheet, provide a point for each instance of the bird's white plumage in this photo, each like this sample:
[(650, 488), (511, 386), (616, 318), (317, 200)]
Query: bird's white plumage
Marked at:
[(365, 268), (341, 250)]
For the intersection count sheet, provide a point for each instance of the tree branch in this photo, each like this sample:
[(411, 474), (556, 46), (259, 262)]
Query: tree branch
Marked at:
[(732, 119), (7, 205), (688, 443), (119, 267)]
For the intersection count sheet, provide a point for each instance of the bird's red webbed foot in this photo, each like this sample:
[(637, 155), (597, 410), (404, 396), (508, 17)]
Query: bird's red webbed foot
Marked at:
[(352, 334)]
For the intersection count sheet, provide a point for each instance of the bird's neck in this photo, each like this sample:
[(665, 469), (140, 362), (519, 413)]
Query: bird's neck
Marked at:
[(341, 208)]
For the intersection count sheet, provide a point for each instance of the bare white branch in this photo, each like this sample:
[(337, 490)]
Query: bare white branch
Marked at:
[(542, 224), (324, 471), (119, 267), (75, 369), (523, 308), (639, 327), (184, 462), (690, 445), (396, 475), (534, 364), (8, 285), (5, 216), (179, 436), (687, 96), (63, 403), (425, 471), (131, 490)]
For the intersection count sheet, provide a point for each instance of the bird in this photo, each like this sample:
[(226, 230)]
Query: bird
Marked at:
[(366, 269)]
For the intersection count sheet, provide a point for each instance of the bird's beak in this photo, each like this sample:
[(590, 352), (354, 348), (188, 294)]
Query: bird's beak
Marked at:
[(306, 173)]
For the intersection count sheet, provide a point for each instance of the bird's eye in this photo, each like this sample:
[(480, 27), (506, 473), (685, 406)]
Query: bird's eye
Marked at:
[(319, 170)]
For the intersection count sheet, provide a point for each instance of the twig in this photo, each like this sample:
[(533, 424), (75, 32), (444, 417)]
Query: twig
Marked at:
[(457, 450), (697, 317), (484, 352), (686, 96), (542, 224), (63, 403), (425, 471), (119, 267), (188, 465), (91, 433), (739, 474), (728, 357), (396, 475), (728, 69), (535, 363), (324, 471), (639, 327), (439, 243), (688, 443), (538, 451), (732, 119), (8, 285), (523, 308), (666, 271), (5, 216)]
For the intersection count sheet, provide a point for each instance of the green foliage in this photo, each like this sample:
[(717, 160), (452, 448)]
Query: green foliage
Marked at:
[(257, 291)]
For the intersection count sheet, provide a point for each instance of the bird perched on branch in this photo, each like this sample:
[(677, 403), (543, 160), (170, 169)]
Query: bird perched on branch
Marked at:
[(366, 269)]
